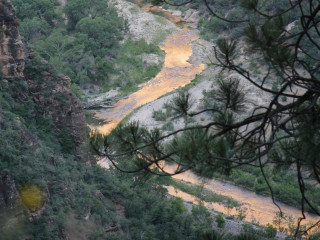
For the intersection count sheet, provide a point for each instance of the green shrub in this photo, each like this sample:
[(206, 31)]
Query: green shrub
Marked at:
[(315, 236), (270, 231), (220, 221), (246, 236), (212, 235), (201, 217), (248, 229), (211, 26), (76, 90), (168, 126), (261, 188), (159, 115), (246, 180), (241, 213)]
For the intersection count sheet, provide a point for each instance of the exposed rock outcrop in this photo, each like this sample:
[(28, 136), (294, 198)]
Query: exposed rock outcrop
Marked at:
[(27, 78), (8, 191), (52, 95), (191, 16), (49, 90), (12, 48), (140, 21)]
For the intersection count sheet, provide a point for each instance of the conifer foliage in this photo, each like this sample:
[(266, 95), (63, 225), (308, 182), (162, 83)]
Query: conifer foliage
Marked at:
[(285, 37)]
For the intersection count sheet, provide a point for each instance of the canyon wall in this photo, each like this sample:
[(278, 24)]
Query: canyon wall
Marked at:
[(34, 84)]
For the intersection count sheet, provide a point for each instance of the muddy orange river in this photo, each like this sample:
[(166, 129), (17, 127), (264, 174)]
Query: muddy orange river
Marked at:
[(260, 209), (177, 72)]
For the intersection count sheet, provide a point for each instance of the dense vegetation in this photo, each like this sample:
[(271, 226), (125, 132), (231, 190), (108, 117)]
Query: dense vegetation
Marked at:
[(81, 199), (82, 41)]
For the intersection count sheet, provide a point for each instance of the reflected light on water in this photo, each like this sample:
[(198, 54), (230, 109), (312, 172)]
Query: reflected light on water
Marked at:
[(177, 72), (259, 208)]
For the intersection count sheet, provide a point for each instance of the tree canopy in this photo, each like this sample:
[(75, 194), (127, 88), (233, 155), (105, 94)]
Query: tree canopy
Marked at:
[(43, 9), (105, 33), (78, 9)]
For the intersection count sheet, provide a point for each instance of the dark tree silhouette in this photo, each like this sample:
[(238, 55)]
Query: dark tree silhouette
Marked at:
[(285, 38)]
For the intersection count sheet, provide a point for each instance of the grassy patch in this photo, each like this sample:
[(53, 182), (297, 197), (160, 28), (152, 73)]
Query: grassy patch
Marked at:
[(131, 68), (284, 185), (160, 20), (202, 193), (161, 36), (193, 82)]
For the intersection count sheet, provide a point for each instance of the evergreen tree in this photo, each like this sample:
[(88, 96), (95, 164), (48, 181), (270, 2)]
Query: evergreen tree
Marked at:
[(285, 36)]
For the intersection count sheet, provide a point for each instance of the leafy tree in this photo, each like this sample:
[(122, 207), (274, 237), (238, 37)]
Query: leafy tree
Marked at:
[(77, 9), (285, 39), (103, 34), (37, 17), (85, 54), (54, 46), (42, 9), (29, 28)]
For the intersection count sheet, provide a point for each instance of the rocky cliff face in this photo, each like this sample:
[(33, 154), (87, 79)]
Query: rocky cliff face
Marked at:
[(28, 78), (49, 90), (12, 49), (8, 192), (51, 93)]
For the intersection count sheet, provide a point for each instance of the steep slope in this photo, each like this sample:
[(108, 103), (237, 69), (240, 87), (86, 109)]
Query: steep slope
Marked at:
[(48, 90), (33, 99), (42, 130), (12, 49)]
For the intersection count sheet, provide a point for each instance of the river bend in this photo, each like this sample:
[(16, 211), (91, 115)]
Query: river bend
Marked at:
[(177, 72)]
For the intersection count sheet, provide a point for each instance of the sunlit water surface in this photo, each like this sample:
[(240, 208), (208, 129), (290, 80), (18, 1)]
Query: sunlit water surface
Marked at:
[(176, 72), (260, 208)]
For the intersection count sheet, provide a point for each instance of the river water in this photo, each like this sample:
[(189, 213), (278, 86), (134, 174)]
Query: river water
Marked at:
[(177, 72), (259, 208)]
